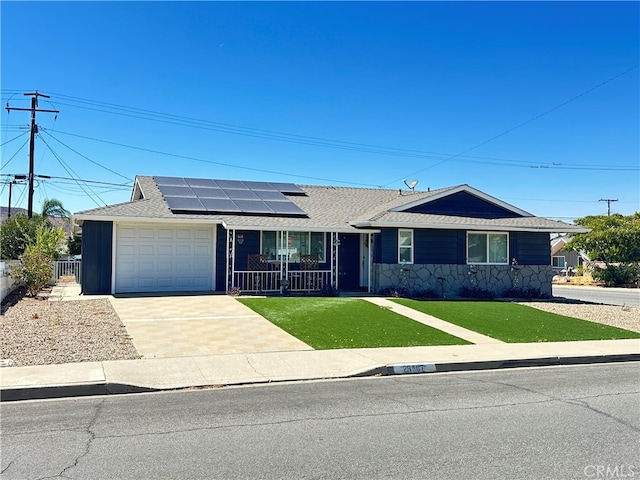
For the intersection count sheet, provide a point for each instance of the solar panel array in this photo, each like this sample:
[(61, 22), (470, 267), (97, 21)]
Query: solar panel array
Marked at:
[(200, 195)]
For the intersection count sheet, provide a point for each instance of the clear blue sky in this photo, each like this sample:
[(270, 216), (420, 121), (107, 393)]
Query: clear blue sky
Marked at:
[(535, 103)]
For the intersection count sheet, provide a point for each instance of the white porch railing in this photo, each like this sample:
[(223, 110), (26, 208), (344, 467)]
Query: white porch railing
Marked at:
[(269, 281), (65, 268)]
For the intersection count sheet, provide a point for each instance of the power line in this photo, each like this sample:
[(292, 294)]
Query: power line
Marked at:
[(85, 157), (524, 123), (294, 138), (71, 172), (212, 162), (14, 155), (14, 138)]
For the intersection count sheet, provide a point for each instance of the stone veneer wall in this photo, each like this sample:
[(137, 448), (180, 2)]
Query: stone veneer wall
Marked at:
[(449, 279)]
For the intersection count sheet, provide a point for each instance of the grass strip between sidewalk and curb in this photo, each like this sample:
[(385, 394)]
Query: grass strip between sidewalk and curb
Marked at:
[(328, 323), (515, 323)]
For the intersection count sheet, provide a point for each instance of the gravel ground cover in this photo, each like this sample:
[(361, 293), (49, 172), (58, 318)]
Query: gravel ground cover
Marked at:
[(621, 317), (38, 331)]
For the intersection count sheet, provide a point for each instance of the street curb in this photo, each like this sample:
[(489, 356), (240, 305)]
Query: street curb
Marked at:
[(108, 388), (410, 368)]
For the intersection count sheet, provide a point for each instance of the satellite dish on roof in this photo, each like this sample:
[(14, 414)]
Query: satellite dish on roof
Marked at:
[(412, 184)]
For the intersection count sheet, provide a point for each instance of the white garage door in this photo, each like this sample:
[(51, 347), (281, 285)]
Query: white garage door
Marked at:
[(157, 258)]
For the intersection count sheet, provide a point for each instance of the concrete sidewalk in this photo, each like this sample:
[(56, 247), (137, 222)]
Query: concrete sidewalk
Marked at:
[(128, 376), (195, 341)]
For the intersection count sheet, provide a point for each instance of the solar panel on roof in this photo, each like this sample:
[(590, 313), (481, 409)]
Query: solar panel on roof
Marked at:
[(240, 194), (169, 181), (220, 205), (262, 186), (228, 196), (234, 184), (176, 191), (185, 204), (209, 192), (253, 206), (285, 208), (201, 182), (271, 195), (288, 188)]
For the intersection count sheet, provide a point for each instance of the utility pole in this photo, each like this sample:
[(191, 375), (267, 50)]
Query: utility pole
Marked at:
[(11, 184), (608, 200), (34, 129)]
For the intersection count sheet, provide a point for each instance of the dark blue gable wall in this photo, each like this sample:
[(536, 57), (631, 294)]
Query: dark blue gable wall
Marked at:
[(463, 204), (96, 257), (449, 247), (530, 248)]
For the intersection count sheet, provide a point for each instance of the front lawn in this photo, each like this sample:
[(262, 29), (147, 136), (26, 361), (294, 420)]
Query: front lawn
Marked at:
[(515, 323), (327, 323)]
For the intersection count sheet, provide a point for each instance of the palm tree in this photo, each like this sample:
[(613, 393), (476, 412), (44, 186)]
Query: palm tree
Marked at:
[(53, 208)]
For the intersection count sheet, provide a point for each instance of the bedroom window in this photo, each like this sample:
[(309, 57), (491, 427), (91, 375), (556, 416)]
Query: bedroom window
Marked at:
[(488, 248), (405, 246)]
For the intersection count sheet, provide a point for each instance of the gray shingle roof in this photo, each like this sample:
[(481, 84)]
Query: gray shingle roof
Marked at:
[(328, 208)]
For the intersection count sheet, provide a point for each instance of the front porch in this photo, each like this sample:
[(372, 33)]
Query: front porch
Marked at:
[(274, 262)]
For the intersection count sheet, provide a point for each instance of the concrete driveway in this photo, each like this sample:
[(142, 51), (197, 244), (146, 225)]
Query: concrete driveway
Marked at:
[(193, 325)]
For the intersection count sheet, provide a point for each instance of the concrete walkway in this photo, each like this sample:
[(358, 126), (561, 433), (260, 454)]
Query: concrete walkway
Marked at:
[(450, 328)]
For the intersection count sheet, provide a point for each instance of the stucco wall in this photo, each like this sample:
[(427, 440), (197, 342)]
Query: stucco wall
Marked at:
[(7, 282), (449, 279)]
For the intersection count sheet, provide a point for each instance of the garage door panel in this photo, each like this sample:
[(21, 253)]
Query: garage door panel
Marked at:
[(161, 258)]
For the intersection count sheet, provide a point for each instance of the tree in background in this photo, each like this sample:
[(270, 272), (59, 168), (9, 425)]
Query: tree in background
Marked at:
[(74, 245), (53, 208), (16, 234), (20, 231), (614, 240)]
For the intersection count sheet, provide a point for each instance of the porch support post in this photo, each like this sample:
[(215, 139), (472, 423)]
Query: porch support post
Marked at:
[(370, 243), (230, 258), (335, 247)]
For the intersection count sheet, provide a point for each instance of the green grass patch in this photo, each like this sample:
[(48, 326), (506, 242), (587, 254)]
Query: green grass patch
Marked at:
[(327, 323), (515, 323)]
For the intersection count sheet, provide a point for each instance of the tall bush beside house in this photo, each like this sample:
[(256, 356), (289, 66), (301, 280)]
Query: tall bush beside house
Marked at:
[(613, 240), (34, 270)]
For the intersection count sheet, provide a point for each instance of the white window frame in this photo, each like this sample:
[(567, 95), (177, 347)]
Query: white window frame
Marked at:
[(506, 234), (280, 234), (410, 247), (564, 261)]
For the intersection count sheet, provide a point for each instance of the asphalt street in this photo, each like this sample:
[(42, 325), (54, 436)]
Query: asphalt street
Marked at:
[(552, 423), (607, 296)]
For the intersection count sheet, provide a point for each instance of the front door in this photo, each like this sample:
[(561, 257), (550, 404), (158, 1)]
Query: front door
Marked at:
[(349, 261)]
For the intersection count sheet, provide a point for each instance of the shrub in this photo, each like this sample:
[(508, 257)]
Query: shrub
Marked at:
[(396, 292), (329, 290), (523, 293), (428, 293), (34, 272), (476, 292), (234, 292), (617, 275)]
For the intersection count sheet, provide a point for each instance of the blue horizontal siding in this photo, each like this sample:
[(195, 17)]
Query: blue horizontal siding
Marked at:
[(530, 248), (97, 240), (463, 204)]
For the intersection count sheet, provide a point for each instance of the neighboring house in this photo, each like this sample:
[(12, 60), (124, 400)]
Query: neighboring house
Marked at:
[(183, 234), (562, 260)]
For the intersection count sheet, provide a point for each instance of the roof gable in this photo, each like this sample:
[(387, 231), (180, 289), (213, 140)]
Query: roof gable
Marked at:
[(463, 201)]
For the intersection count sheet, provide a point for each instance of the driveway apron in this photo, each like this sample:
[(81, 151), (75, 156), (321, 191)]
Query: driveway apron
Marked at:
[(193, 325)]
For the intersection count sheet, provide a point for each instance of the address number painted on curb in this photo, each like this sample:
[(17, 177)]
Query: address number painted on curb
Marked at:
[(414, 368)]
